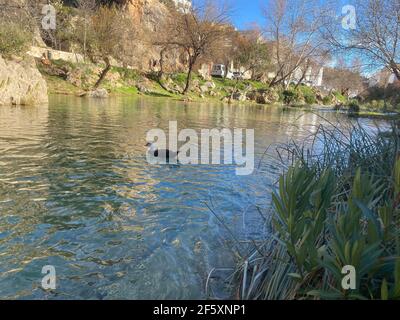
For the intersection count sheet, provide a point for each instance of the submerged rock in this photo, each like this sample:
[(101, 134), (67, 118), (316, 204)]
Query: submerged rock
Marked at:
[(239, 96), (210, 84), (21, 83), (98, 93), (263, 96), (207, 87), (143, 87), (204, 89), (262, 99)]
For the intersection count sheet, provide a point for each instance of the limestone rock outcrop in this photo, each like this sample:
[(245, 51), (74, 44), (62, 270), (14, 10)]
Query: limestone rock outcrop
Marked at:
[(21, 83), (150, 15)]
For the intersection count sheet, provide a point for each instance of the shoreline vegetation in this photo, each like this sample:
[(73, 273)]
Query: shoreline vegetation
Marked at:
[(68, 78), (335, 206), (171, 51)]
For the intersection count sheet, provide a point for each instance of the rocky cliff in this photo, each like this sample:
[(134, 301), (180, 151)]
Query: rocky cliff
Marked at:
[(149, 16), (149, 13), (21, 83), (146, 15)]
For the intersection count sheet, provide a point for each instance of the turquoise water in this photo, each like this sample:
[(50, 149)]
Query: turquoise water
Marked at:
[(77, 193)]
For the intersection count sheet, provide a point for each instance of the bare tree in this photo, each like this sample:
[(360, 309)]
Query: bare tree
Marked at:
[(86, 10), (195, 31), (293, 27), (226, 50), (109, 29), (343, 78), (253, 53), (375, 36)]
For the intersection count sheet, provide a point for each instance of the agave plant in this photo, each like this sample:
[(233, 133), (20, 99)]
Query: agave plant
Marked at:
[(334, 208), (365, 235), (322, 236), (301, 209)]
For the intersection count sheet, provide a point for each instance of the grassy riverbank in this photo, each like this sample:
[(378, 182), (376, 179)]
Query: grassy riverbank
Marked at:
[(68, 78), (335, 206), (76, 79)]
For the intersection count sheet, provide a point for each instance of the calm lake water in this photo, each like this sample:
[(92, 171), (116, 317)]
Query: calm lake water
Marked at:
[(77, 193)]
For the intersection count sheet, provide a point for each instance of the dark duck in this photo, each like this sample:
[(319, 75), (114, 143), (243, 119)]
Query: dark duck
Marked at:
[(162, 154)]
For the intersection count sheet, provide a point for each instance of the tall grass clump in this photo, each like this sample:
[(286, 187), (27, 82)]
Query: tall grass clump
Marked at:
[(14, 39), (308, 94), (338, 204), (291, 96)]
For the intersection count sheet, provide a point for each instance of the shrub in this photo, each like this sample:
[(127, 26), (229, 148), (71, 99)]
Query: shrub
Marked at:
[(327, 100), (256, 84), (127, 74), (179, 78), (376, 96), (323, 232), (308, 94), (310, 98), (375, 93), (337, 205), (339, 96), (354, 107), (291, 96), (13, 39), (378, 104)]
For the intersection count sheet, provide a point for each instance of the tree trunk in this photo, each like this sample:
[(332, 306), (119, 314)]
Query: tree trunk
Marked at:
[(235, 89), (395, 68), (103, 73), (300, 80), (161, 72), (273, 82), (189, 75), (84, 42), (226, 70), (276, 80)]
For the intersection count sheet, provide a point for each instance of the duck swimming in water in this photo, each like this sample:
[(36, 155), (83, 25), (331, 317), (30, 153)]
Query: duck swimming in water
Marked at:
[(165, 155)]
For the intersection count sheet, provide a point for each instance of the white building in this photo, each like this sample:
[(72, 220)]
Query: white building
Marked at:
[(312, 77), (183, 5), (230, 72), (382, 78), (320, 77), (392, 78)]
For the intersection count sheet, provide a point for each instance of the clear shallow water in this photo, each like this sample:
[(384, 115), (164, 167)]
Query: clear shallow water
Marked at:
[(76, 192)]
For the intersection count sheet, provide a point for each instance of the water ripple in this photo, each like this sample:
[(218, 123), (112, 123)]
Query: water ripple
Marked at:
[(76, 192)]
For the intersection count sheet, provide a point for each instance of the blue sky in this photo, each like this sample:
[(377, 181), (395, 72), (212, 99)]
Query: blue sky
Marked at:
[(247, 12)]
